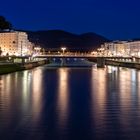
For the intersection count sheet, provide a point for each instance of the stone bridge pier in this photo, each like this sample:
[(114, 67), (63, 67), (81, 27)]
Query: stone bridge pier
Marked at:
[(100, 62)]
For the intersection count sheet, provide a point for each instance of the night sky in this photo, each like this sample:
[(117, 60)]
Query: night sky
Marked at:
[(114, 19)]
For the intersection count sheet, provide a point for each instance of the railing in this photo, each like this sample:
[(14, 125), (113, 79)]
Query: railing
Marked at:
[(67, 55)]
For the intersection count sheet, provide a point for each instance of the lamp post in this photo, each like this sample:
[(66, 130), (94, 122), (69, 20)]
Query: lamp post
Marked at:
[(63, 49), (37, 50), (63, 59)]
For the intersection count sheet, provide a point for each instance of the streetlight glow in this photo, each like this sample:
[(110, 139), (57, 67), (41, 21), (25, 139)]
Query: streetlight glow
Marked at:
[(63, 49)]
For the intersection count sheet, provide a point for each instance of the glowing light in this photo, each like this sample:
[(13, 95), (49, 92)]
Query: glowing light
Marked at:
[(94, 53), (63, 49)]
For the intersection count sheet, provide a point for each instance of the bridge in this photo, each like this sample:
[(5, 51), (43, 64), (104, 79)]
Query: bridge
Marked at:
[(99, 59), (83, 56)]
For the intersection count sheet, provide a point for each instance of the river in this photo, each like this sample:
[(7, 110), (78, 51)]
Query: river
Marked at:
[(70, 103)]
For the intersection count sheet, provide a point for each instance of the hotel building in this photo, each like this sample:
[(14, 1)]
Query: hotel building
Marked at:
[(15, 43)]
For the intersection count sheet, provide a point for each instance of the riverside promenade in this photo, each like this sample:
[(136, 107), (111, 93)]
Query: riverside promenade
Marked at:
[(18, 64), (13, 64), (127, 64)]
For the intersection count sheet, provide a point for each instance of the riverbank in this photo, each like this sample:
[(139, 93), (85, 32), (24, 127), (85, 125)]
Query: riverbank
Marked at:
[(6, 68), (127, 64), (135, 65)]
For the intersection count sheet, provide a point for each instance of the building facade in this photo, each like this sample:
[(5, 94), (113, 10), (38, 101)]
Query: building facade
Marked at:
[(15, 43), (122, 48)]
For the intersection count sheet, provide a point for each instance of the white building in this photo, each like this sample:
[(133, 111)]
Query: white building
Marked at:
[(134, 48), (122, 48), (14, 43)]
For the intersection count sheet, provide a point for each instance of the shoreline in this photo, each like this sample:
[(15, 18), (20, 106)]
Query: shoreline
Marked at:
[(134, 65), (6, 68), (127, 64)]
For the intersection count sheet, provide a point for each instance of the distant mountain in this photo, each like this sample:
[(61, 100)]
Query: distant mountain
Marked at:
[(58, 38)]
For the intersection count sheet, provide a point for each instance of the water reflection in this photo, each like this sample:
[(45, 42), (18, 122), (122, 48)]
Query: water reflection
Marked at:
[(70, 103), (20, 100), (98, 90), (98, 102), (37, 91), (115, 101), (63, 96)]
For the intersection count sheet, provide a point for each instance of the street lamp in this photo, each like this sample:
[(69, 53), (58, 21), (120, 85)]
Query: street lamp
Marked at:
[(63, 49), (37, 50)]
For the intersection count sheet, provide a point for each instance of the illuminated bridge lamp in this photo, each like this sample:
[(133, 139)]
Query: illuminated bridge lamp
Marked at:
[(63, 49)]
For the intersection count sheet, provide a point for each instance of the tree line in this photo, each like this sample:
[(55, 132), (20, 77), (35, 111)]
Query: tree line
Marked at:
[(4, 24)]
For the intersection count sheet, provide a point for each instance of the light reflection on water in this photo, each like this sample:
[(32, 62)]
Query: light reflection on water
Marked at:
[(98, 95), (67, 103), (63, 95)]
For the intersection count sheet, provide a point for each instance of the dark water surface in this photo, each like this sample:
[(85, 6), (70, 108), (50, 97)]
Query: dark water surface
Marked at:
[(70, 104)]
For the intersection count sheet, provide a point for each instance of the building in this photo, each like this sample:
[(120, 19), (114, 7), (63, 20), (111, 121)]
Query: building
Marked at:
[(122, 48), (15, 43), (134, 48)]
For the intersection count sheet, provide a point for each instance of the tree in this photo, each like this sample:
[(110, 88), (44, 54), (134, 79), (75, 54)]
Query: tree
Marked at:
[(4, 24)]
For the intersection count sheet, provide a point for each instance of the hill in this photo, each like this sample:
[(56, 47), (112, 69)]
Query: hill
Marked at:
[(58, 38)]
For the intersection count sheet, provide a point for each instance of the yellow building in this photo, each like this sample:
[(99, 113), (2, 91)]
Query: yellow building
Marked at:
[(14, 43)]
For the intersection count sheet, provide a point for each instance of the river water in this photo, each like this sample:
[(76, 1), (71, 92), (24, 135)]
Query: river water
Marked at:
[(70, 103)]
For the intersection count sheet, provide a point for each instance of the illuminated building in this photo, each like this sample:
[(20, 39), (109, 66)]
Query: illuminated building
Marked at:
[(122, 48), (134, 48), (15, 43)]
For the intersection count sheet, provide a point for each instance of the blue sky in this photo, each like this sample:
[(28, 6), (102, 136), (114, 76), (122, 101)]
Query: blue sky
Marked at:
[(114, 19)]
